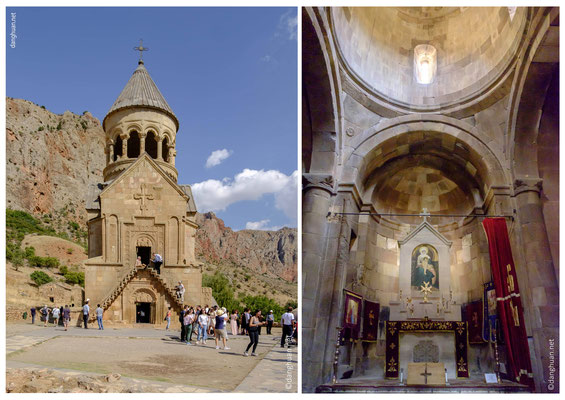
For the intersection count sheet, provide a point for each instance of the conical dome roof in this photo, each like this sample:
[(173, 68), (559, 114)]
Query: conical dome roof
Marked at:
[(141, 91)]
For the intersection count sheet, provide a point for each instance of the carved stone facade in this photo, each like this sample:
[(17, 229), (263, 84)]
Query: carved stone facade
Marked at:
[(140, 209)]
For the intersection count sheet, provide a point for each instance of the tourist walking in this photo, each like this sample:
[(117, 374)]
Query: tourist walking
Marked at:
[(270, 320), (245, 321), (202, 328), (182, 327), (219, 329), (168, 318), (99, 313), (211, 322), (61, 316), (85, 313), (286, 322), (233, 322), (157, 261), (45, 314), (254, 324), (180, 291), (66, 316), (32, 310), (188, 320), (56, 312)]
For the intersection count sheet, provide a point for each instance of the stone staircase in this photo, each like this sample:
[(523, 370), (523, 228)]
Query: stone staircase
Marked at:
[(108, 300), (176, 303)]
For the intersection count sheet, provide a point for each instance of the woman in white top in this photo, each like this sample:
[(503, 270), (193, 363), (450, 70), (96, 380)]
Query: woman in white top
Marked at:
[(56, 312), (202, 328)]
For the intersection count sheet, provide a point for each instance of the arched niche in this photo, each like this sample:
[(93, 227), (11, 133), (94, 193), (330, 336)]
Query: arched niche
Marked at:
[(134, 144), (118, 149), (151, 144)]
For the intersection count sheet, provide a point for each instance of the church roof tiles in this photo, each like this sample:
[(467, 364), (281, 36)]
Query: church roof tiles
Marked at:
[(142, 91)]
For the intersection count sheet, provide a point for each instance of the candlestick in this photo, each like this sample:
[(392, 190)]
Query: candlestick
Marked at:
[(336, 355)]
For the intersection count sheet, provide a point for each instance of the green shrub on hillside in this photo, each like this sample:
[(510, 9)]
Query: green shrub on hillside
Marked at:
[(43, 262), (40, 277), (221, 290), (74, 278)]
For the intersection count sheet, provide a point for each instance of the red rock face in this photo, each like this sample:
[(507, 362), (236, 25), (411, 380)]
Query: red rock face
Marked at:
[(51, 160), (273, 253)]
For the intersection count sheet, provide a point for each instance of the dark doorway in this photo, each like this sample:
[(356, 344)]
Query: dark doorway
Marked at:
[(143, 313), (144, 253)]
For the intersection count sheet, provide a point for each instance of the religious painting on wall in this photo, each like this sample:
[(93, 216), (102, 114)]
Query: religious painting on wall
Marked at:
[(474, 316), (370, 321), (352, 315), (489, 314), (425, 267)]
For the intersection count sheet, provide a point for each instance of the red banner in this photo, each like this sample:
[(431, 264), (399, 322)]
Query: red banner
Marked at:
[(508, 300)]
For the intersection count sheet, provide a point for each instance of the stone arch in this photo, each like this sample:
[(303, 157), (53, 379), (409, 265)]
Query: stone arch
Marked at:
[(528, 97), (133, 126), (151, 143), (142, 240), (144, 295), (320, 97), (117, 148), (385, 141), (134, 144)]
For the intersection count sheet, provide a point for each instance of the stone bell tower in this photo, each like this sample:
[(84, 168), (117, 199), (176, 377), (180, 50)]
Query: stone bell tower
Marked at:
[(140, 209)]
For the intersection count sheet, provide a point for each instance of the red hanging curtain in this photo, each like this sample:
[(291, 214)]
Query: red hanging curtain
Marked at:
[(509, 303)]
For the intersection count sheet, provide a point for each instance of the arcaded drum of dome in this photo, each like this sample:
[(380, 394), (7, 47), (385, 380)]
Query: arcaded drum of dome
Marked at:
[(475, 47)]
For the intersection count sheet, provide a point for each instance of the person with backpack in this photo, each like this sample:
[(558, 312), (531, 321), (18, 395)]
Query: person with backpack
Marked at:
[(44, 315)]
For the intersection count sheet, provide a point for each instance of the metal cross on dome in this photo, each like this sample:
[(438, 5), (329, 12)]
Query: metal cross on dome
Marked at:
[(141, 49)]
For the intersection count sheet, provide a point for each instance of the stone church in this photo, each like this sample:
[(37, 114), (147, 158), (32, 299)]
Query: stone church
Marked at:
[(417, 124), (140, 209)]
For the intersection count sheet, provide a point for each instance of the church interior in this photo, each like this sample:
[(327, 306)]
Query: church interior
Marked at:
[(430, 226)]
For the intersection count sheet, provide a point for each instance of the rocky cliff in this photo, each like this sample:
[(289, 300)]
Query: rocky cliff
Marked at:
[(51, 159), (263, 252)]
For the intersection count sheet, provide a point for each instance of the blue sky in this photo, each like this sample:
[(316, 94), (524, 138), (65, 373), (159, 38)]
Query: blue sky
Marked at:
[(229, 74)]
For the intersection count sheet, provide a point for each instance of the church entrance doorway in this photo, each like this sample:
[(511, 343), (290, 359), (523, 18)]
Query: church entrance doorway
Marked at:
[(143, 313), (145, 253)]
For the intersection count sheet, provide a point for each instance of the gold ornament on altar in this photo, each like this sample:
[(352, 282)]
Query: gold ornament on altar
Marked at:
[(426, 289)]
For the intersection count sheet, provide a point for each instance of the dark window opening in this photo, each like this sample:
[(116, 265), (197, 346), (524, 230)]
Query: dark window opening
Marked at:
[(151, 145), (145, 254), (133, 145), (118, 148), (166, 149), (52, 299)]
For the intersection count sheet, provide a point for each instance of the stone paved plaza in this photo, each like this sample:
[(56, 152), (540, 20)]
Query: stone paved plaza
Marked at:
[(151, 360)]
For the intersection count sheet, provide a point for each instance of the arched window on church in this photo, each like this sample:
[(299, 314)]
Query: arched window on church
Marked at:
[(151, 144), (133, 145), (165, 149), (118, 148)]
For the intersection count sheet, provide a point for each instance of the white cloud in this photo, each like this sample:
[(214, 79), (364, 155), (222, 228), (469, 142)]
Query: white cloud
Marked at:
[(215, 195), (217, 157), (286, 198), (261, 225), (288, 23), (266, 58)]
